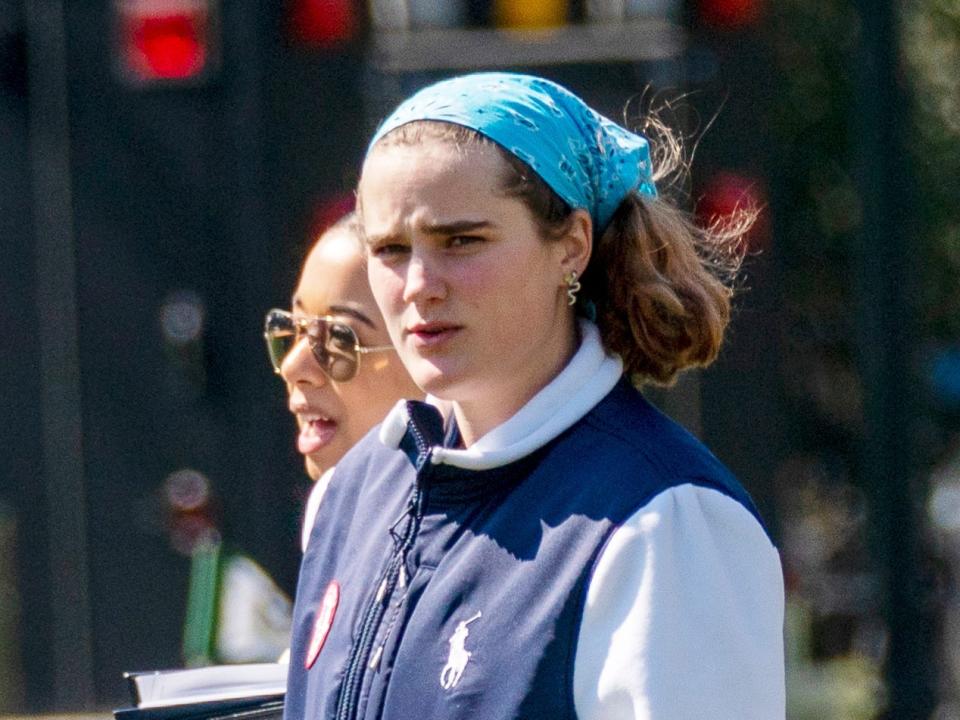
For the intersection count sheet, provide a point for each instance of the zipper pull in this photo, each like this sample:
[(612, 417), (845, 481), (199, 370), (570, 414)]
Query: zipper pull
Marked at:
[(408, 512), (381, 592), (402, 577), (375, 660), (394, 532)]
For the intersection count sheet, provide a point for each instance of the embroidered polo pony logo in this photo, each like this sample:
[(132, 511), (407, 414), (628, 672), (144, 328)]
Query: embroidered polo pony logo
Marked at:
[(459, 655)]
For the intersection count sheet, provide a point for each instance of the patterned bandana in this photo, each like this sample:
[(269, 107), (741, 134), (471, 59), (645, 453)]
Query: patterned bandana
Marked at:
[(588, 160)]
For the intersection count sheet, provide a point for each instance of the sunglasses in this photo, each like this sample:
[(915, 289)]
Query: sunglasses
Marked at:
[(334, 344)]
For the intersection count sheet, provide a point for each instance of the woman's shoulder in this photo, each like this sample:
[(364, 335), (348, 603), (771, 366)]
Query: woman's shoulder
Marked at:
[(363, 481), (642, 452), (625, 421), (370, 452), (365, 467)]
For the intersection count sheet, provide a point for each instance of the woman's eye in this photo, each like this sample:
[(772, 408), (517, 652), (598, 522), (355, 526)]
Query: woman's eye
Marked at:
[(388, 250), (464, 240)]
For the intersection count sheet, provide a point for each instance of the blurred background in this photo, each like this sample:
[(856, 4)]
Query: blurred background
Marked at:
[(165, 164)]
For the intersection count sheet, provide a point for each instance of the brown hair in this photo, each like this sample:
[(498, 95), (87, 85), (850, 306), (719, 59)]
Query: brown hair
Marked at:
[(660, 284)]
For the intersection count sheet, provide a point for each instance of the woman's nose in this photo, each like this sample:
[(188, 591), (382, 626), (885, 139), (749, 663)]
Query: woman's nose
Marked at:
[(299, 365), (423, 281)]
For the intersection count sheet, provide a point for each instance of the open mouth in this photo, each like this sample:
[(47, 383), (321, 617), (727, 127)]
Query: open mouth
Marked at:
[(316, 432)]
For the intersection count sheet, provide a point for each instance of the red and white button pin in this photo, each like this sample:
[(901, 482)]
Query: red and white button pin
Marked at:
[(323, 622)]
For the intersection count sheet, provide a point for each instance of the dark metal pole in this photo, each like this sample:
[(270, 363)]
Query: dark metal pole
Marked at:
[(72, 645), (887, 335)]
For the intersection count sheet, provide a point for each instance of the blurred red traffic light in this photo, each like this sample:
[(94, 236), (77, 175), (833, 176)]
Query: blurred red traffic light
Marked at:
[(321, 23), (729, 14), (165, 40)]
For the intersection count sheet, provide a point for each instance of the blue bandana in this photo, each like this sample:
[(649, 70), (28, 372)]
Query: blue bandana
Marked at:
[(588, 160)]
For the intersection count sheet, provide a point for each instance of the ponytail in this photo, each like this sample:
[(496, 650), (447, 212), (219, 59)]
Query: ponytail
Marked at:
[(662, 287)]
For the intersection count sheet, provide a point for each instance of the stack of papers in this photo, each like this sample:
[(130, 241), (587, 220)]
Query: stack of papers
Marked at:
[(219, 692)]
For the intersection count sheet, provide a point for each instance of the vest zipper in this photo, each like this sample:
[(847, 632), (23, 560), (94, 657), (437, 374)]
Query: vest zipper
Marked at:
[(360, 661)]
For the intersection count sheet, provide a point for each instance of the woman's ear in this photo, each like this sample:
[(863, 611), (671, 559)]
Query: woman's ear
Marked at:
[(577, 243)]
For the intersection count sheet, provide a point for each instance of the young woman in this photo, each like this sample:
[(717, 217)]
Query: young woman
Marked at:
[(333, 351), (535, 540)]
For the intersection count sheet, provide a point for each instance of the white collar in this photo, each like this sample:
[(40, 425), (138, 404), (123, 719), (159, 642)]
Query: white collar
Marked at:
[(586, 380)]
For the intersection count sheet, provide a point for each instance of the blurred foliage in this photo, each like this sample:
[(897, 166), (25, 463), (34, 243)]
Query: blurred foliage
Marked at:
[(814, 42), (843, 688), (931, 50), (835, 633), (818, 214), (835, 642)]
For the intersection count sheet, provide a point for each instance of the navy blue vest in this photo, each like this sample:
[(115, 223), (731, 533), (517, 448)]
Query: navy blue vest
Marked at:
[(461, 591)]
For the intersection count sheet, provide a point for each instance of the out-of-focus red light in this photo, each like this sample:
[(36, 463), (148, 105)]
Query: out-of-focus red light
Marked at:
[(730, 14), (164, 40), (321, 23), (727, 193), (170, 47), (329, 210)]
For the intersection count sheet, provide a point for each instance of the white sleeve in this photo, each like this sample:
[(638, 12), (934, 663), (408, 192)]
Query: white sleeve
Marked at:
[(684, 616), (313, 504)]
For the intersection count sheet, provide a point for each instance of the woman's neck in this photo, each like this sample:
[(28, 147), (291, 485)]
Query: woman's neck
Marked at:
[(475, 418)]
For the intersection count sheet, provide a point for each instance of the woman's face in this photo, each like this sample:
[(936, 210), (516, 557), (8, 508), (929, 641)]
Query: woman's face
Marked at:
[(472, 295), (333, 416)]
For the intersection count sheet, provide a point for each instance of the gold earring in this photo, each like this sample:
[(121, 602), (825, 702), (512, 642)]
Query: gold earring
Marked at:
[(573, 287)]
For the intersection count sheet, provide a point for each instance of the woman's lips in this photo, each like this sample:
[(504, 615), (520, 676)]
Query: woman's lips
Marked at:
[(429, 335), (315, 434)]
